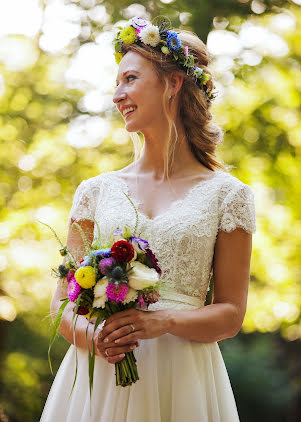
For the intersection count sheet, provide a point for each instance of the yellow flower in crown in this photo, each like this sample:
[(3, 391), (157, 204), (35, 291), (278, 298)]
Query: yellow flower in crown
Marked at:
[(128, 34), (118, 57), (85, 277)]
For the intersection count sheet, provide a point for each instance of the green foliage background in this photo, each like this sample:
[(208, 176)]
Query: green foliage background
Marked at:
[(260, 115)]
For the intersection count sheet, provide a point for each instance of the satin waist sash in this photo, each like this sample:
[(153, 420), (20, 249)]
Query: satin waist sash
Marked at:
[(172, 296)]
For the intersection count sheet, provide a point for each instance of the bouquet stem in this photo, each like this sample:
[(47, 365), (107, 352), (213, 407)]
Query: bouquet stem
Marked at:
[(126, 370)]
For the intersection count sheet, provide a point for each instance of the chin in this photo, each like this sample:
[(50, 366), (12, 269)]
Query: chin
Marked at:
[(132, 127)]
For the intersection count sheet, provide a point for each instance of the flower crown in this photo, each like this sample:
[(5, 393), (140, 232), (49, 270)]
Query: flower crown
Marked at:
[(139, 30)]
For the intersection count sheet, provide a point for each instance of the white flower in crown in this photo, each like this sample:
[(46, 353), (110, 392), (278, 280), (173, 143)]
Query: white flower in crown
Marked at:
[(138, 23), (150, 35)]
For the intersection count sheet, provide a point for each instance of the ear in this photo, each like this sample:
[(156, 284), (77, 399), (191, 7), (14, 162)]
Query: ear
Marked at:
[(175, 82)]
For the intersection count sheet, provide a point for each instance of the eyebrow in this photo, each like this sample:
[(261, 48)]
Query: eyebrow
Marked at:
[(127, 71)]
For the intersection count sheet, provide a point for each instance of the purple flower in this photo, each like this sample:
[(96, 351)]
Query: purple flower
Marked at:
[(117, 291), (73, 289), (105, 264), (186, 51), (138, 23), (139, 244), (153, 260)]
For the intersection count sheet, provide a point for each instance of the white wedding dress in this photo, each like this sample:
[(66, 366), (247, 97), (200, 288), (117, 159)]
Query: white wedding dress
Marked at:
[(180, 380)]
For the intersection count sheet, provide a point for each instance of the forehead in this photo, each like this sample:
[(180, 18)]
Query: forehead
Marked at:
[(131, 62)]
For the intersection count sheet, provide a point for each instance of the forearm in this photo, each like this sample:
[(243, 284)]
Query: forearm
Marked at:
[(77, 337), (211, 323)]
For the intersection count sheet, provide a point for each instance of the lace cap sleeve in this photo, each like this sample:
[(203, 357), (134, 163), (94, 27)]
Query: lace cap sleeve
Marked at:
[(238, 210), (84, 202)]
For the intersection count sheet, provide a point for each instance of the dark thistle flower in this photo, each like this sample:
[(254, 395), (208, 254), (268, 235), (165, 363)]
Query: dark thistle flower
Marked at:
[(62, 270)]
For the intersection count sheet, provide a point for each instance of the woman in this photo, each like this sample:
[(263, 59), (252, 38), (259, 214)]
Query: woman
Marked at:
[(199, 221)]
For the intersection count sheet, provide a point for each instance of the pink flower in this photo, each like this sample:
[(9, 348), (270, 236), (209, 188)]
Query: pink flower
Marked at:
[(73, 289), (186, 51), (141, 301), (70, 275), (117, 291)]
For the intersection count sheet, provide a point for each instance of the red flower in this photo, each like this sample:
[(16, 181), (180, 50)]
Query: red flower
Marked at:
[(123, 251), (82, 310)]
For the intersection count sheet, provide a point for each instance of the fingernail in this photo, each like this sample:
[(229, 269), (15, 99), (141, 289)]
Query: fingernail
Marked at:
[(133, 347), (121, 356), (117, 341), (106, 340)]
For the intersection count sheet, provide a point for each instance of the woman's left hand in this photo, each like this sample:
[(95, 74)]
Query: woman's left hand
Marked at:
[(147, 324)]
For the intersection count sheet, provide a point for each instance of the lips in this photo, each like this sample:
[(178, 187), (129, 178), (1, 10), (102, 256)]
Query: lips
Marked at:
[(127, 114)]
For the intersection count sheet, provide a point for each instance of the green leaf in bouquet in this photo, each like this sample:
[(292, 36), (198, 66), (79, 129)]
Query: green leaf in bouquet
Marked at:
[(55, 327), (77, 302), (91, 360), (136, 212), (84, 239), (97, 243), (76, 357), (59, 240), (127, 232)]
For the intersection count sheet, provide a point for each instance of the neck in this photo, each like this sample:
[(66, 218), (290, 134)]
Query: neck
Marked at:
[(152, 161)]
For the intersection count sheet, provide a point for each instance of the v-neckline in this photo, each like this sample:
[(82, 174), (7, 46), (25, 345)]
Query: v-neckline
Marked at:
[(187, 195)]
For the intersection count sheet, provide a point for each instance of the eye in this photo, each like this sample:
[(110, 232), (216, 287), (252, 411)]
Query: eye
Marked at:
[(130, 76), (127, 78)]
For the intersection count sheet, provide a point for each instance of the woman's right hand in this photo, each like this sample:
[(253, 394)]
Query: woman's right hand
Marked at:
[(115, 353)]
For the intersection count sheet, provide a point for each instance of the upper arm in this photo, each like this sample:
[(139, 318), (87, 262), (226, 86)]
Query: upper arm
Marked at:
[(231, 270), (82, 212), (233, 247), (77, 248)]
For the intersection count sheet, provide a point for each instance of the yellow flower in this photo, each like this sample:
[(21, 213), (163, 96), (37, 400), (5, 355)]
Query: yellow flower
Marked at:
[(85, 277), (128, 34), (118, 57)]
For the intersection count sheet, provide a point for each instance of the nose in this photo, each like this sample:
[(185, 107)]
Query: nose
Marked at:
[(118, 95)]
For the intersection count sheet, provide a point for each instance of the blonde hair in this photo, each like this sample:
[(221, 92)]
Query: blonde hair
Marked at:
[(202, 133)]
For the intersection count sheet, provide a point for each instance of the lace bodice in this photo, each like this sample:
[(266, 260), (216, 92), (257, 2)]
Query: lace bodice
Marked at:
[(183, 237)]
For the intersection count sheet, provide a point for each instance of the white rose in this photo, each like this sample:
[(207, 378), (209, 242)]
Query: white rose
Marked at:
[(100, 287), (141, 276), (131, 295)]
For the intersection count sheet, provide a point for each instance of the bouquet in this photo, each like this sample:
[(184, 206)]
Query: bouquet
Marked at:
[(110, 278)]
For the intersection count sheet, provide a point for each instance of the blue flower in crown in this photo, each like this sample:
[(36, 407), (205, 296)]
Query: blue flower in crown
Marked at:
[(173, 41)]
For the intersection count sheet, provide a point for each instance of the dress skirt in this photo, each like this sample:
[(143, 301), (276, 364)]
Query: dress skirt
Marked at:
[(179, 380)]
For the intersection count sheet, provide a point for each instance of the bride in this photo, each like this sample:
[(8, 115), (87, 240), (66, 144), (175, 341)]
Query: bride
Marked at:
[(199, 221)]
